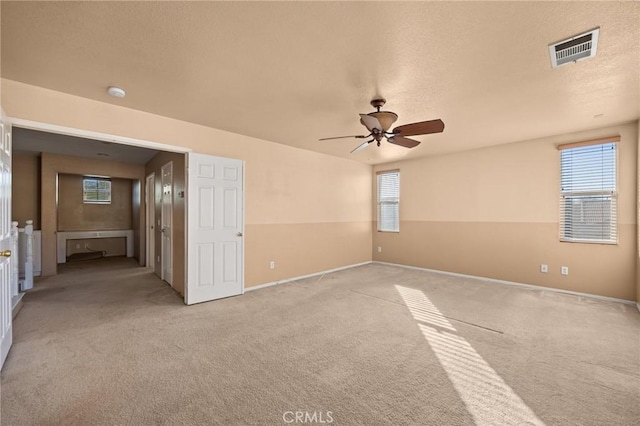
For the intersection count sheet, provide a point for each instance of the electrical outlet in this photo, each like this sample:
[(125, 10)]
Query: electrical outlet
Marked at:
[(379, 249), (272, 265), (544, 268), (564, 270)]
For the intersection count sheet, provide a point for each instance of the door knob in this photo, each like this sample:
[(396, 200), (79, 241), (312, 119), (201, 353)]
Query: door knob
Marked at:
[(239, 234), (5, 253)]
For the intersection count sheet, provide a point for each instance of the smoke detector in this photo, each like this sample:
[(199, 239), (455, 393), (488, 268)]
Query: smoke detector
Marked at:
[(116, 92), (574, 49)]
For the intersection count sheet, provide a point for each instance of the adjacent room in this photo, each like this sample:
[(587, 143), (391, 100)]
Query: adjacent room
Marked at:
[(389, 213)]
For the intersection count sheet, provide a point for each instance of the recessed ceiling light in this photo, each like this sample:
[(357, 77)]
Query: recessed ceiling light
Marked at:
[(116, 92)]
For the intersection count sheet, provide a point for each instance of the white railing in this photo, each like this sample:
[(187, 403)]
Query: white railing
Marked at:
[(22, 267)]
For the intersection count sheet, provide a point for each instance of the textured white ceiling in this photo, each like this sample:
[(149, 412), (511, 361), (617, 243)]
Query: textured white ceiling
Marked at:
[(293, 72)]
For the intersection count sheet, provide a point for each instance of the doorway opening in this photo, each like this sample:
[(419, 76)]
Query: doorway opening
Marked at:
[(58, 159)]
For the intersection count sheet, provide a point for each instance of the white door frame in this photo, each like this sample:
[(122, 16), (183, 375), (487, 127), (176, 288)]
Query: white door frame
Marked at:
[(88, 134), (166, 217), (150, 216)]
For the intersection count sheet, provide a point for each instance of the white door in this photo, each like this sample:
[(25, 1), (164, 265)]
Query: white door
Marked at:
[(215, 252), (150, 206), (6, 336), (166, 219)]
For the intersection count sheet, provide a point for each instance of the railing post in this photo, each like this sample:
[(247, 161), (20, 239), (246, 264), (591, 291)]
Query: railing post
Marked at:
[(27, 284)]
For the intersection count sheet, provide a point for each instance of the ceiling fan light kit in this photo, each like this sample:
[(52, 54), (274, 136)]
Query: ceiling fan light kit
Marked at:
[(379, 122)]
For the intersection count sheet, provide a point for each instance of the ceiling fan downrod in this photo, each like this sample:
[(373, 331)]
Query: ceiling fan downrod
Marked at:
[(378, 103)]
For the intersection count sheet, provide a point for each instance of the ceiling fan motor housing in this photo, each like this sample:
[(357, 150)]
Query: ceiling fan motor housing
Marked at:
[(378, 103)]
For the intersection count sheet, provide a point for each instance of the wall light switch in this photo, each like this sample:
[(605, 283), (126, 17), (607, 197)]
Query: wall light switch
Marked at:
[(272, 265), (379, 249)]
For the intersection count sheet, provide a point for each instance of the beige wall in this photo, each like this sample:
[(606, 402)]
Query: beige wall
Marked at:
[(295, 200), (491, 212), (494, 213), (638, 234), (178, 238), (52, 165), (75, 215), (25, 187)]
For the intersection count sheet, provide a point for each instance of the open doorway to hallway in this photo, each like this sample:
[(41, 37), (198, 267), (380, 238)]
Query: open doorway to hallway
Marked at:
[(55, 174)]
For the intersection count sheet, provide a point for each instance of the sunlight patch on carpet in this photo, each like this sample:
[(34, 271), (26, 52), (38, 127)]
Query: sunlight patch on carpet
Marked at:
[(488, 398)]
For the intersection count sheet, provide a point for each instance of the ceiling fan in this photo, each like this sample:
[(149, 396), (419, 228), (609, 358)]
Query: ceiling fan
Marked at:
[(379, 122)]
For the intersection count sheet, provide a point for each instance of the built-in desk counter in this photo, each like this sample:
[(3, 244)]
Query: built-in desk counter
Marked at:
[(81, 235)]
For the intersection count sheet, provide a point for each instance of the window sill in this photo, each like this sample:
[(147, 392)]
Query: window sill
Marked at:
[(606, 243), (389, 232)]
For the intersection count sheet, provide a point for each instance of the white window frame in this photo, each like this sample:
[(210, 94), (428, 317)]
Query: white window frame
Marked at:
[(570, 231), (106, 199), (388, 200)]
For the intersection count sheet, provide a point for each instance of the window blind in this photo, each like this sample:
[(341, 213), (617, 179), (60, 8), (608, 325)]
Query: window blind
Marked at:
[(588, 197), (388, 201)]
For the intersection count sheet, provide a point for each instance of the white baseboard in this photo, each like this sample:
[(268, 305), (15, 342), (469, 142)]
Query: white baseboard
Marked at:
[(301, 277), (638, 306), (16, 304), (511, 283)]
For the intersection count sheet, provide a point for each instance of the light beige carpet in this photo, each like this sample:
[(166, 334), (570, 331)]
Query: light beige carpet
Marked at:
[(107, 343)]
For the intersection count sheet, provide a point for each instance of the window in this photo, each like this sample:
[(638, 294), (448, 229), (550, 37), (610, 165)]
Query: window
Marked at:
[(388, 201), (96, 191), (588, 197)]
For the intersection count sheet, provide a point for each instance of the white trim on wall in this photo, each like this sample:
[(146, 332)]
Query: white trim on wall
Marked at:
[(88, 134), (301, 277), (512, 283)]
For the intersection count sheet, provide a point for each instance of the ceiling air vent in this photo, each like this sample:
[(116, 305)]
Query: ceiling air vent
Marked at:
[(574, 49)]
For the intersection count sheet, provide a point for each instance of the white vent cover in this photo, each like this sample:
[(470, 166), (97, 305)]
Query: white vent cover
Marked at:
[(574, 49)]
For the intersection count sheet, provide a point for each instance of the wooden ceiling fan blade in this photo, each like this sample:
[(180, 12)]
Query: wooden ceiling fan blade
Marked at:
[(370, 122), (345, 137), (362, 146), (421, 128), (402, 141)]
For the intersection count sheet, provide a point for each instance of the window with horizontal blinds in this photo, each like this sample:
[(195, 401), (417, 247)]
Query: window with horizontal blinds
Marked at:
[(588, 197), (389, 201)]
